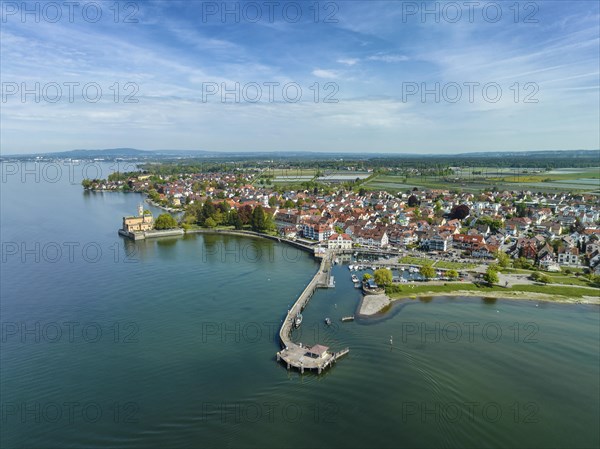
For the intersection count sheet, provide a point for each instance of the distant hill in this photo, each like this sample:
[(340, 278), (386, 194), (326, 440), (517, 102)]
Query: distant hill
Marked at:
[(533, 154), (133, 153), (107, 153)]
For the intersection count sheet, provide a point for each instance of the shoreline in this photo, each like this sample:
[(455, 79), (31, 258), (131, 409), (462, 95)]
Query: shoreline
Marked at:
[(372, 305)]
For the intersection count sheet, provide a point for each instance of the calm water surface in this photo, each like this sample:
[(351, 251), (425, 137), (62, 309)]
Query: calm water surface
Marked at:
[(171, 342)]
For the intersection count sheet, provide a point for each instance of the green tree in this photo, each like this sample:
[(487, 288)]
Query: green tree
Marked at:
[(165, 221), (383, 277), (272, 201), (208, 209), (210, 222), (503, 259), (427, 271), (236, 221), (491, 276), (366, 277), (258, 220), (452, 274), (153, 195), (544, 279)]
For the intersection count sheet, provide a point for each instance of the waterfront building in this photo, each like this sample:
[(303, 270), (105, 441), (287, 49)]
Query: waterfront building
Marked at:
[(140, 223)]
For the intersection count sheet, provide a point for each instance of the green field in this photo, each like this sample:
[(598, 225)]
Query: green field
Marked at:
[(401, 291), (410, 260), (585, 180)]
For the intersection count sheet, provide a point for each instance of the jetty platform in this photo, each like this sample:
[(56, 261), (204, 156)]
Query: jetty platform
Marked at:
[(297, 355)]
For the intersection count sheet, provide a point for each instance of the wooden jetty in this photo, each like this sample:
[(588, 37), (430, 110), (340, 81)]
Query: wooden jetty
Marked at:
[(296, 355)]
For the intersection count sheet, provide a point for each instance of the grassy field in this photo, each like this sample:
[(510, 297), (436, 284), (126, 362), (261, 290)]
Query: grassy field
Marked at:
[(415, 260), (454, 265), (409, 260), (586, 180), (401, 291), (557, 278)]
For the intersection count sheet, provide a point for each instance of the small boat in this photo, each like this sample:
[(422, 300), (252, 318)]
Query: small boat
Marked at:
[(354, 278), (347, 318), (351, 267), (328, 321), (336, 261), (298, 320)]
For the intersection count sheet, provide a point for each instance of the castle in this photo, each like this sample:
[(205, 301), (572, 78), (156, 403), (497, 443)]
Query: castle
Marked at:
[(140, 223)]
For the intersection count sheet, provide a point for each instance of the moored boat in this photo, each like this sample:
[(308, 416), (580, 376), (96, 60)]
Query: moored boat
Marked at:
[(298, 320)]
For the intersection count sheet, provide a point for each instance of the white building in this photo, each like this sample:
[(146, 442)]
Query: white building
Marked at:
[(339, 241)]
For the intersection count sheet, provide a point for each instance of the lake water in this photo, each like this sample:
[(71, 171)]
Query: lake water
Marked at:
[(171, 343)]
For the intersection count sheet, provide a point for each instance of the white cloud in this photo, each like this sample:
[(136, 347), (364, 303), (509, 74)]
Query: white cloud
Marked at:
[(348, 61), (388, 58), (322, 73)]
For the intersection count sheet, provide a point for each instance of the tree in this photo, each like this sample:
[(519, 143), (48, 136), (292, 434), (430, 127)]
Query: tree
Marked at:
[(235, 220), (491, 276), (245, 213), (503, 259), (210, 222), (427, 271), (452, 274), (460, 212), (521, 209), (413, 201), (366, 277), (272, 201), (540, 277), (258, 219), (544, 279), (208, 209), (383, 277), (165, 221)]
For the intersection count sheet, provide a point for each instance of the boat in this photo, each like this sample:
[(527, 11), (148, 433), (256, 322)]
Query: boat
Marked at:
[(328, 321), (347, 318), (298, 320), (354, 278), (336, 261), (351, 267)]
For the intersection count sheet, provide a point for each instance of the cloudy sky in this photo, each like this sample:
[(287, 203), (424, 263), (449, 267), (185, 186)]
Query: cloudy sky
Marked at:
[(353, 76)]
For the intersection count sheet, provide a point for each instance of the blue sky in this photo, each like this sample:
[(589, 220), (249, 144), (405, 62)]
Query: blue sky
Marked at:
[(369, 56)]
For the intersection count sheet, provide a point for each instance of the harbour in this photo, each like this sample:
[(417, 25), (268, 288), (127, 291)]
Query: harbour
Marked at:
[(296, 355), (188, 342)]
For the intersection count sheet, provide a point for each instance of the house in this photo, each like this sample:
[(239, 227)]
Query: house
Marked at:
[(468, 243), (316, 230), (568, 256), (372, 237), (289, 232), (436, 242), (484, 252), (339, 241)]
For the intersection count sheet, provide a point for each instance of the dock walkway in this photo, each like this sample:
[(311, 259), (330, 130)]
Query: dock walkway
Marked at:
[(299, 356)]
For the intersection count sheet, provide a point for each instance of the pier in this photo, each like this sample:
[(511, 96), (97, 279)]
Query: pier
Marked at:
[(299, 356)]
